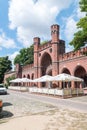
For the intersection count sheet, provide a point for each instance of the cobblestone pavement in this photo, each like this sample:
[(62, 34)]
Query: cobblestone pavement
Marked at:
[(82, 99), (19, 104), (15, 104), (75, 103)]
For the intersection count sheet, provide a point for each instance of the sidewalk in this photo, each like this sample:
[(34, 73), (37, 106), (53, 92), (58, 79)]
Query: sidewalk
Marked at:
[(75, 103)]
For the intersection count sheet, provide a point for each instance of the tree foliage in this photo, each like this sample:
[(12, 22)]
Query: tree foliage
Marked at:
[(44, 42), (5, 66), (80, 37), (83, 5), (9, 79), (25, 56)]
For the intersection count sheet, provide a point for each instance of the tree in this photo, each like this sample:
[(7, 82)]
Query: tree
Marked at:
[(80, 37), (25, 57), (9, 79), (5, 66), (83, 5), (44, 42)]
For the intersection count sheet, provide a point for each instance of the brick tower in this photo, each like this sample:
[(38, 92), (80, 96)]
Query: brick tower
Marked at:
[(36, 41), (18, 71), (55, 49)]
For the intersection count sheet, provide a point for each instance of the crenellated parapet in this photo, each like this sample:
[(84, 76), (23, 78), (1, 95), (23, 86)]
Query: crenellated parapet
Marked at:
[(73, 54), (44, 46)]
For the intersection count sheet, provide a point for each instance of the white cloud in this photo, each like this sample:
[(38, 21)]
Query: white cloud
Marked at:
[(34, 18), (70, 23), (80, 14), (69, 48), (12, 56), (70, 28), (6, 42)]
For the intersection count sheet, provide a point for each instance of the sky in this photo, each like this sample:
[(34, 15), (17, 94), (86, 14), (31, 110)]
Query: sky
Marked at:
[(22, 20)]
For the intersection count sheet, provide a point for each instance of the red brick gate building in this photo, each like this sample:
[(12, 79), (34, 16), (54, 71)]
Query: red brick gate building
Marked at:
[(51, 59)]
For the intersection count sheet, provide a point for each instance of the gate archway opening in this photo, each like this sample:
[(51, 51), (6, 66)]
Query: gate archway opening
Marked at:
[(46, 66), (65, 84), (65, 70), (81, 73)]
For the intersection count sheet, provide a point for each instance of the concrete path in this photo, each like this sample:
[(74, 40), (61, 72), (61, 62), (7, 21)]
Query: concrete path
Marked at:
[(77, 103)]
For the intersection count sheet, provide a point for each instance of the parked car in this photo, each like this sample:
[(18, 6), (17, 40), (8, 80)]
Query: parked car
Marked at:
[(3, 89), (1, 104)]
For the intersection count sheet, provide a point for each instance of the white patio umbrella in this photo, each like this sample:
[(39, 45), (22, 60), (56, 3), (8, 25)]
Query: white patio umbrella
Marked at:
[(44, 78), (26, 80), (66, 77), (74, 78), (17, 80)]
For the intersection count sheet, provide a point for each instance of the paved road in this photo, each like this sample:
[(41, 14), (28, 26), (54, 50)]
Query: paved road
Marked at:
[(77, 103), (24, 103), (16, 104)]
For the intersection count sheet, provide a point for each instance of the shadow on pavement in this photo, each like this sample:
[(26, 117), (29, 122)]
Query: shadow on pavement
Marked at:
[(5, 104), (5, 114), (4, 94)]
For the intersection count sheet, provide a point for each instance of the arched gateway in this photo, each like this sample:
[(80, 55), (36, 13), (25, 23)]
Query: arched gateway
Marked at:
[(81, 72), (46, 64), (51, 59)]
